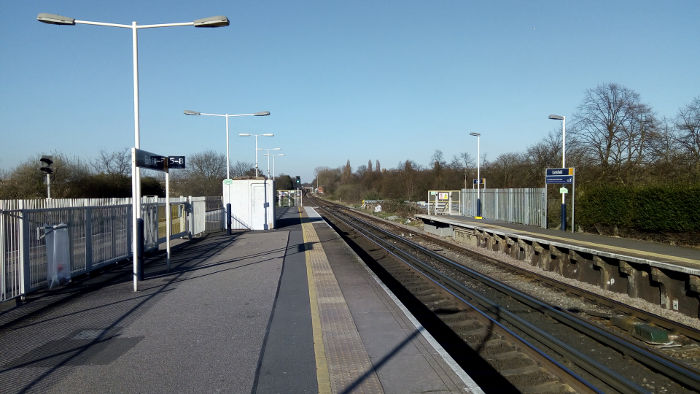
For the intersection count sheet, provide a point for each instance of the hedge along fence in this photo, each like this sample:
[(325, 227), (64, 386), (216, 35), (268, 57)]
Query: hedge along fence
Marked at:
[(642, 208)]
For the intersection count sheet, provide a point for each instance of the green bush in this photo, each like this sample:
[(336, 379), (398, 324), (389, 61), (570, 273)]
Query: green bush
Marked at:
[(641, 208)]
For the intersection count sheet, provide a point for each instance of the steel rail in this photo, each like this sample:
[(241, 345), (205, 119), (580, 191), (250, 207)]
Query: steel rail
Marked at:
[(648, 317), (512, 319), (458, 290), (678, 372)]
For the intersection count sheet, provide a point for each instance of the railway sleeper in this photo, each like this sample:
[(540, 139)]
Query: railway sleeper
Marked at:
[(550, 387)]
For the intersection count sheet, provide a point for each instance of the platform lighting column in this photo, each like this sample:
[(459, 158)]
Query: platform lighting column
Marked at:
[(478, 173), (563, 164), (267, 153), (256, 145), (263, 113), (214, 21), (273, 164)]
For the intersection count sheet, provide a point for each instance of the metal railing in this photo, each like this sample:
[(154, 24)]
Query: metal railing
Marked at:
[(99, 233), (525, 205), (444, 202)]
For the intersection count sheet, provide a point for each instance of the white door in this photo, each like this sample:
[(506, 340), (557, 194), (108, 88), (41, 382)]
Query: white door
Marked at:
[(258, 207)]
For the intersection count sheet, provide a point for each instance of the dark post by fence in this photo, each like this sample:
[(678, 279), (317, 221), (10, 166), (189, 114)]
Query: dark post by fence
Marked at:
[(228, 218), (139, 248)]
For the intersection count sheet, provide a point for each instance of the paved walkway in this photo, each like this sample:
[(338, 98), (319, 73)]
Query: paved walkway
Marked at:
[(290, 310)]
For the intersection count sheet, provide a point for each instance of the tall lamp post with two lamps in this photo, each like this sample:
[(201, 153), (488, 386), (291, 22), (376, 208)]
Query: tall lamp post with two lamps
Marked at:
[(256, 145), (214, 21), (195, 113), (267, 153)]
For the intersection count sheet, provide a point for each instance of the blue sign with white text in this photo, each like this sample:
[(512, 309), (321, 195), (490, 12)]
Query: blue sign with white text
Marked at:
[(560, 171), (559, 179), (559, 175)]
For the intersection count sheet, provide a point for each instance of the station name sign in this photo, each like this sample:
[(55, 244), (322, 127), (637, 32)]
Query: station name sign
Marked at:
[(559, 175), (157, 162)]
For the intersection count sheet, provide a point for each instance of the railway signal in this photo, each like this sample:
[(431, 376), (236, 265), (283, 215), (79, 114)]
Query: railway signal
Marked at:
[(46, 168)]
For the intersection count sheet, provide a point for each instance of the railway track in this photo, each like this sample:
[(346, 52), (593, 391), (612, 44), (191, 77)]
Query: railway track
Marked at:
[(504, 338)]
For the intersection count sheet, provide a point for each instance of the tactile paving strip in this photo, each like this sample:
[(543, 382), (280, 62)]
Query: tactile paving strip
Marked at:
[(349, 367)]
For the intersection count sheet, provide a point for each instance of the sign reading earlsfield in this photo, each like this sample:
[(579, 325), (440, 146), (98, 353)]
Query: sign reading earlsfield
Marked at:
[(559, 176)]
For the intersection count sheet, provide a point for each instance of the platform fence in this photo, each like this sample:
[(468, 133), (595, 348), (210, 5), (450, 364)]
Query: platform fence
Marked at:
[(99, 231), (444, 202), (522, 205)]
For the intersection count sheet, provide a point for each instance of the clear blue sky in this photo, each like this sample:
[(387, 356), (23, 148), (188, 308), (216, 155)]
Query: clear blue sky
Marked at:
[(357, 80)]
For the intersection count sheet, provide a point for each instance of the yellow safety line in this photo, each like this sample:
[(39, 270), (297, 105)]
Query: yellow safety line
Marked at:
[(322, 376), (593, 244)]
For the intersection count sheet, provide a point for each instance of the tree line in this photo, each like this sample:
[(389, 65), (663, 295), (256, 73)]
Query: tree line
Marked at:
[(109, 175), (614, 138)]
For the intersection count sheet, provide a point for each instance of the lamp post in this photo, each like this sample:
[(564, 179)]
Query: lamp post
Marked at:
[(268, 159), (478, 173), (263, 113), (273, 163), (214, 21), (563, 164), (256, 146)]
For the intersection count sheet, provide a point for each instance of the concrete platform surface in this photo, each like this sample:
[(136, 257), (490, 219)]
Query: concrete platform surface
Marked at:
[(290, 310)]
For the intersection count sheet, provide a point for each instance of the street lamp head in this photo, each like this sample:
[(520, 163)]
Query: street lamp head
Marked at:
[(556, 117), (212, 21), (244, 134), (276, 149), (475, 134), (263, 113), (188, 112), (268, 134), (55, 19)]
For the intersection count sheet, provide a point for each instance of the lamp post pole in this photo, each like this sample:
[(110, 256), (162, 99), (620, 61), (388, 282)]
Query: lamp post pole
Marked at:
[(273, 164), (478, 173), (228, 166), (215, 21), (267, 153), (563, 164), (256, 145)]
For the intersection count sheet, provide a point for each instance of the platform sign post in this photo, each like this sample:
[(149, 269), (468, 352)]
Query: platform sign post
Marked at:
[(563, 176), (161, 163)]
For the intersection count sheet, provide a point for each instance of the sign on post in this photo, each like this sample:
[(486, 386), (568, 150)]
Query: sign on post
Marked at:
[(562, 176), (151, 161), (157, 162), (558, 176), (176, 162)]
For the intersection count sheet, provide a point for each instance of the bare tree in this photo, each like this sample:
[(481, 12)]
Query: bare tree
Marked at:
[(614, 127), (242, 169), (346, 173), (203, 175), (688, 125), (113, 163)]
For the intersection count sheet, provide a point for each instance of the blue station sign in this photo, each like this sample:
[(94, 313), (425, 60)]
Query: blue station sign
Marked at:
[(559, 176), (560, 171)]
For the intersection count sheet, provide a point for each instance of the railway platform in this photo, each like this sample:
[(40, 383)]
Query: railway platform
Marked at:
[(662, 253), (289, 310), (662, 274)]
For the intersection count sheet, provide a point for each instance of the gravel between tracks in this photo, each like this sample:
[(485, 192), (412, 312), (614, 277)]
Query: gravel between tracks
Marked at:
[(547, 295)]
